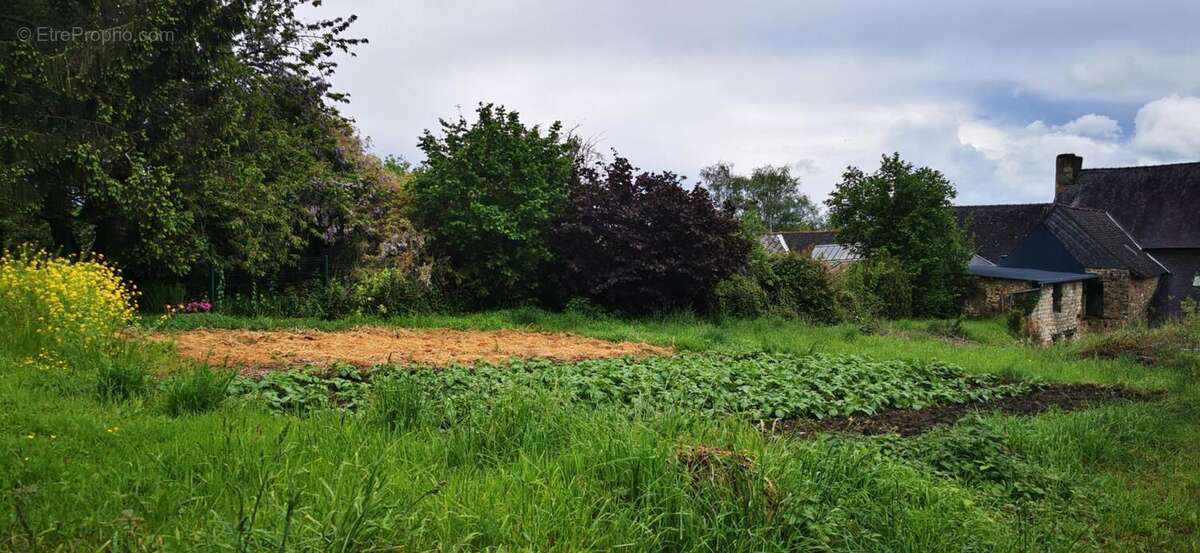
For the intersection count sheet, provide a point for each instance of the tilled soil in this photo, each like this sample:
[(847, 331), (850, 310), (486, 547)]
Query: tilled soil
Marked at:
[(256, 352), (1065, 397)]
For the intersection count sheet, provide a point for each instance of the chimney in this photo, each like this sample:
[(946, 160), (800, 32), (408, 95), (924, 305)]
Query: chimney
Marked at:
[(1066, 169)]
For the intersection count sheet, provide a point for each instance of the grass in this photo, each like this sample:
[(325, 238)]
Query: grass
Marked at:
[(530, 470)]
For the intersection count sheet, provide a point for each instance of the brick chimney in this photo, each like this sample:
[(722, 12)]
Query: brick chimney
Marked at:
[(1066, 169)]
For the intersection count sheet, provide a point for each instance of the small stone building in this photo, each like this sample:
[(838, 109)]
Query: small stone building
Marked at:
[(1135, 228), (1053, 301)]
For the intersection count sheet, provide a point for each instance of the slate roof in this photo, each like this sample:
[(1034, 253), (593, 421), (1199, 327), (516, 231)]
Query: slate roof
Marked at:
[(802, 241), (997, 230), (1157, 204), (1097, 241), (1031, 275)]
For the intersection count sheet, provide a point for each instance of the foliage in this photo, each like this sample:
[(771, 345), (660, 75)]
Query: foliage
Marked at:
[(904, 213), (119, 378), (199, 390), (976, 453), (738, 296), (949, 328), (303, 391), (798, 286), (205, 133), (771, 193), (643, 243), (57, 305), (392, 292), (758, 385), (486, 197), (878, 287)]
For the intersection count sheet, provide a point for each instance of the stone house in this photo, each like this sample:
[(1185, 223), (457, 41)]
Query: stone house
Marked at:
[(1053, 300), (1128, 228)]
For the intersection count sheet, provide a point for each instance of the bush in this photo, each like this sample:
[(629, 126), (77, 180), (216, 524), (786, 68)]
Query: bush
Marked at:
[(739, 296), (487, 196), (199, 391), (801, 287), (119, 379), (391, 292), (878, 287), (61, 306), (642, 243)]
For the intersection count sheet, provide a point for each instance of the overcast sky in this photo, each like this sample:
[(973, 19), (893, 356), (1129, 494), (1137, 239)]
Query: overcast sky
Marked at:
[(986, 94)]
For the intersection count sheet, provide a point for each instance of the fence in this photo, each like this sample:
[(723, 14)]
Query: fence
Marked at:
[(217, 286)]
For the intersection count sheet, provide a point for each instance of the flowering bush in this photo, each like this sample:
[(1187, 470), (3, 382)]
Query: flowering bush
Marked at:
[(50, 305)]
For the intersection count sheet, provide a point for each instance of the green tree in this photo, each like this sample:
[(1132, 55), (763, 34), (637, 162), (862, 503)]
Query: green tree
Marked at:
[(770, 192), (198, 131), (904, 213), (486, 197)]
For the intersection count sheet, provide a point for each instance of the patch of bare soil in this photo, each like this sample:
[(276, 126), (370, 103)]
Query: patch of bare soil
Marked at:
[(1065, 397), (257, 352)]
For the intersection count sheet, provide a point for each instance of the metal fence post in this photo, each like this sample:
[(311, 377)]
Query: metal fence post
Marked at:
[(325, 269), (212, 285)]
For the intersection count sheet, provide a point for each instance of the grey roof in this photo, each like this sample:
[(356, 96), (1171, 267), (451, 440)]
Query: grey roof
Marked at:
[(1157, 204), (773, 243), (1031, 275), (802, 241), (1097, 241), (835, 253), (997, 230)]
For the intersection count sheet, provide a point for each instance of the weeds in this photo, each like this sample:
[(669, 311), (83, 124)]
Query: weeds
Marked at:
[(199, 391)]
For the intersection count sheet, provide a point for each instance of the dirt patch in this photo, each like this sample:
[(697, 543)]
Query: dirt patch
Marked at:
[(256, 352), (1066, 397)]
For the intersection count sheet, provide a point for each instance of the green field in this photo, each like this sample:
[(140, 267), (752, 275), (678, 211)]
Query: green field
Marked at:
[(600, 455)]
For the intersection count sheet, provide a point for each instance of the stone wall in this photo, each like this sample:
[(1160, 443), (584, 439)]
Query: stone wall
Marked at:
[(991, 296), (1046, 325), (1126, 299)]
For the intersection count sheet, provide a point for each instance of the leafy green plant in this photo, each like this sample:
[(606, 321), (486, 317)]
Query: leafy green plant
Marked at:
[(302, 391), (197, 391), (738, 296)]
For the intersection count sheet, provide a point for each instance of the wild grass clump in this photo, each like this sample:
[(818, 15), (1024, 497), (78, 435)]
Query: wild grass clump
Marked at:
[(198, 391), (57, 310), (120, 378), (397, 402)]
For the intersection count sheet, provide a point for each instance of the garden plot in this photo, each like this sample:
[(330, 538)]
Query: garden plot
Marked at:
[(256, 352)]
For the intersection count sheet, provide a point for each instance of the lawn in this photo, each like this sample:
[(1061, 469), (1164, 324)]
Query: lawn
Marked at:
[(650, 454)]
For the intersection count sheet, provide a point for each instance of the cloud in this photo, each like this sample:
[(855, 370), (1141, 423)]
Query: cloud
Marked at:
[(988, 94), (1169, 128)]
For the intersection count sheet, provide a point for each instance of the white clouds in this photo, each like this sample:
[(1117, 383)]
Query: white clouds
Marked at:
[(1169, 128), (1093, 126), (818, 85), (1021, 159)]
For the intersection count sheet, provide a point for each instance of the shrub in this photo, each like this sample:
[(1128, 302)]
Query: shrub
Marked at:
[(391, 291), (118, 379), (487, 196), (199, 391), (801, 287), (878, 287), (64, 306), (642, 243), (739, 296)]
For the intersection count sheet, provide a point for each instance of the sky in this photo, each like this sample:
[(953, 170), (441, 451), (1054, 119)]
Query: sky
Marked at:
[(986, 92)]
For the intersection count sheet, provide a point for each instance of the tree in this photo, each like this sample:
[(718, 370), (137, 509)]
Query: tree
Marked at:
[(486, 196), (770, 192), (905, 213), (643, 243), (191, 131)]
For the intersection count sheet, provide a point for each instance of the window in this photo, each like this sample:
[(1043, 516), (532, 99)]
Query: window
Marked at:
[(1093, 294), (1196, 280), (1057, 297)]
